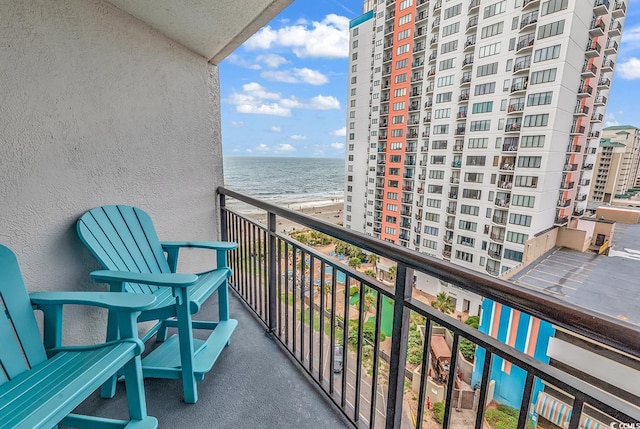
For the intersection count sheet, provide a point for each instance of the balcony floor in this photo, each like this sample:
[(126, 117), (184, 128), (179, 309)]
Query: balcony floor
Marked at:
[(254, 384)]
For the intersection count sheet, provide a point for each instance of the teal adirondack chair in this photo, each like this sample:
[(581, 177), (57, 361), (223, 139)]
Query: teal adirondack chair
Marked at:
[(125, 242), (40, 384)]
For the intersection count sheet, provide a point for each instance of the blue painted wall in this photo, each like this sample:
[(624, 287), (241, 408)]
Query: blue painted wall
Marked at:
[(510, 384)]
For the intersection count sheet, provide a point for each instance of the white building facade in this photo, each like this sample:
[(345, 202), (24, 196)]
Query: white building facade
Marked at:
[(473, 125)]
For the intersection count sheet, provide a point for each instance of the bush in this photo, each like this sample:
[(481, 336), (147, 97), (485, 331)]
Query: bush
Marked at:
[(354, 290), (473, 321), (370, 273), (468, 349), (414, 347), (438, 412), (504, 417)]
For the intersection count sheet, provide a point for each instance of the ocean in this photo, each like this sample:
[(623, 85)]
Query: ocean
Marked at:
[(291, 182)]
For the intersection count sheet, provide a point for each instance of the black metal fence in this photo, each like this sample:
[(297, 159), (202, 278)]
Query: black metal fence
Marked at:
[(330, 318)]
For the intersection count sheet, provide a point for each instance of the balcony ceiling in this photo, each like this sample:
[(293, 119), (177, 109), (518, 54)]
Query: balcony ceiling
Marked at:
[(211, 28)]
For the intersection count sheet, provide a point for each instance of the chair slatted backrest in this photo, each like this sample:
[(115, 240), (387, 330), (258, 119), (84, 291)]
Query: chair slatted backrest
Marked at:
[(20, 341), (123, 238)]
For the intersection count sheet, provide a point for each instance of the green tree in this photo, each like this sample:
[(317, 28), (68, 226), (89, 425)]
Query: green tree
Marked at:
[(355, 262), (392, 272), (443, 302), (370, 273), (373, 258)]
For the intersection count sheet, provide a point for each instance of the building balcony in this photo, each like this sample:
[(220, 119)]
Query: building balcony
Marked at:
[(615, 29), (502, 202), (525, 43), (560, 221), (458, 147), (529, 4), (468, 61), (604, 83), (567, 185), (581, 111), (589, 71), (597, 28), (611, 48), (576, 130), (593, 135), (436, 23), (574, 149), (522, 66), (460, 131), (570, 167), (465, 80), (497, 237), (470, 43), (593, 50), (587, 167), (619, 10), (500, 220), (597, 117), (515, 108), (600, 101), (495, 254), (472, 24), (528, 20), (474, 5), (463, 97), (513, 127), (585, 91), (519, 86), (607, 65), (600, 7), (564, 203)]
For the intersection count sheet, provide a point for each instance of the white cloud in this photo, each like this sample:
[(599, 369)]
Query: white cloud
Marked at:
[(631, 35), (298, 137), (239, 61), (237, 124), (339, 132), (255, 99), (321, 102), (610, 119), (271, 60), (629, 69), (337, 145), (328, 38), (275, 129), (285, 147), (303, 75), (263, 148)]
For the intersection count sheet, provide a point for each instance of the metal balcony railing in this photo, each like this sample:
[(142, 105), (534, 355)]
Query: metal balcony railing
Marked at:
[(303, 297)]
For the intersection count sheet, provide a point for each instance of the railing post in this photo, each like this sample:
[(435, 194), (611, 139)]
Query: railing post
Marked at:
[(272, 272), (399, 340), (224, 233)]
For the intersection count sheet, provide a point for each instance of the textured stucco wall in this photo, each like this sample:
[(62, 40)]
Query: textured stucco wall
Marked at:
[(98, 108)]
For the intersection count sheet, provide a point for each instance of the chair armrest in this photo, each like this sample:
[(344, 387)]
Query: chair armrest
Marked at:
[(213, 245), (116, 301), (164, 279)]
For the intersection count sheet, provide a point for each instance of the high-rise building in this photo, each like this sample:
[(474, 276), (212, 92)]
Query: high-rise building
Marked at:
[(473, 125), (617, 167)]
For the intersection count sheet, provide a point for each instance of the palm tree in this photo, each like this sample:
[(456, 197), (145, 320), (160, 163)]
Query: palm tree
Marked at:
[(392, 272), (443, 302)]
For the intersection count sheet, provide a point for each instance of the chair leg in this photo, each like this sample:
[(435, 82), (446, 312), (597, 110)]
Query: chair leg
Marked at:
[(161, 335), (108, 389), (223, 303), (185, 339)]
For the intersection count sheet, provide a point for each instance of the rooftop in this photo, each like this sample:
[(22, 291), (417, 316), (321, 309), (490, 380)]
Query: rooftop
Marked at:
[(604, 284), (620, 127)]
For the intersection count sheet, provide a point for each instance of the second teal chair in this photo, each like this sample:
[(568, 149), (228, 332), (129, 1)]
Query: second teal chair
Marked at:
[(125, 242)]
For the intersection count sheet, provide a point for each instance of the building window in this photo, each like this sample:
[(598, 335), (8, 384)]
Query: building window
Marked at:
[(552, 29), (443, 97), (544, 54), (392, 207), (452, 11), (488, 50), (449, 46), (469, 210), (439, 144), (495, 8), (474, 194), (543, 76), (532, 141), (432, 217), (445, 81), (480, 125), (478, 143), (553, 6), (473, 177), (447, 64), (430, 202), (536, 120), (450, 29), (430, 230), (440, 129), (466, 241), (492, 30), (464, 256), (523, 200), (436, 174), (487, 69), (529, 161), (476, 160), (404, 19), (485, 88), (540, 98), (431, 244), (512, 255), (517, 237), (526, 181), (519, 219), (482, 107)]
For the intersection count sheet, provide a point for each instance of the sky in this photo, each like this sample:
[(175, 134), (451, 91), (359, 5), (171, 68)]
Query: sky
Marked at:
[(284, 90)]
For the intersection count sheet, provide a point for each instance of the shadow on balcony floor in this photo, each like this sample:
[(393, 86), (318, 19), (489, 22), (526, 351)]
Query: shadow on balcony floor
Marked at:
[(253, 384)]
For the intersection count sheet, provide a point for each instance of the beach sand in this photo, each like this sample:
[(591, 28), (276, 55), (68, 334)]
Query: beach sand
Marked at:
[(329, 213)]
